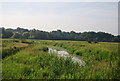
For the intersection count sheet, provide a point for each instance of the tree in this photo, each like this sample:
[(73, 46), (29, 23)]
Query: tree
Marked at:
[(17, 35), (21, 30), (5, 33), (58, 35), (26, 35)]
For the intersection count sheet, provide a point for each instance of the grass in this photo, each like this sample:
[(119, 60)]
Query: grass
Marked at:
[(10, 47), (102, 54), (34, 62)]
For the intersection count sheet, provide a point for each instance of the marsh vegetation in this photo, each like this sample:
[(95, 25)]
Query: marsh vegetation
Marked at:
[(30, 59)]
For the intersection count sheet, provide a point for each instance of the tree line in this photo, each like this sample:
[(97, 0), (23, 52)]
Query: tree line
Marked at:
[(21, 33)]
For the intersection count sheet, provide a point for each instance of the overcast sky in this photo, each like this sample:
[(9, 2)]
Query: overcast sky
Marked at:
[(67, 16)]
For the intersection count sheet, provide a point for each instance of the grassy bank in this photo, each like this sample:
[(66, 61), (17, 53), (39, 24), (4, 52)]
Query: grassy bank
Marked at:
[(34, 62), (102, 59)]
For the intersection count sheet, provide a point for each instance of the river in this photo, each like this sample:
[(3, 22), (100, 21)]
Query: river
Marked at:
[(65, 54)]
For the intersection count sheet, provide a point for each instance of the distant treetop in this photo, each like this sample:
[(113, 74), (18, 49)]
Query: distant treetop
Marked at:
[(57, 35)]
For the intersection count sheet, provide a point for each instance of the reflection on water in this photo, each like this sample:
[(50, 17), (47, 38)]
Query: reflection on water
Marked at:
[(65, 54)]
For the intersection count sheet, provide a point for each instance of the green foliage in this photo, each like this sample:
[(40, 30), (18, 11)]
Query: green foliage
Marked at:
[(40, 48), (17, 35), (77, 52), (26, 41), (26, 35), (5, 33), (57, 35), (95, 42), (101, 59), (8, 52), (45, 49), (89, 42), (9, 48), (31, 64)]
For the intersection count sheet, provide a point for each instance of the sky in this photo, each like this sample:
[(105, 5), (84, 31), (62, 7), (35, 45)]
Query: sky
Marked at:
[(66, 16), (59, 0)]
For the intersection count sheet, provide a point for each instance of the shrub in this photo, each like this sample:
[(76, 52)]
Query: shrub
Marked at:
[(82, 45), (90, 50), (45, 49), (95, 42), (78, 53), (15, 40), (11, 51), (98, 52), (89, 42)]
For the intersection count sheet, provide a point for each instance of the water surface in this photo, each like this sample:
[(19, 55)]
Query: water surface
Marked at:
[(65, 54)]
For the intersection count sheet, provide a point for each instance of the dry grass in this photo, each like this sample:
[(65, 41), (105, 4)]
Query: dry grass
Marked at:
[(16, 45)]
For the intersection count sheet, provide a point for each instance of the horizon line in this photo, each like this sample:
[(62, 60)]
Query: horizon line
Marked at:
[(62, 30)]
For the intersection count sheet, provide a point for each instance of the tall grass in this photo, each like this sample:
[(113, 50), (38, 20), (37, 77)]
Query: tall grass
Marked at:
[(35, 63), (10, 47), (102, 61)]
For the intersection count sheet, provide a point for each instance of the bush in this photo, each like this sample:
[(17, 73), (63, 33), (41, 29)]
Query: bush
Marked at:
[(82, 45), (78, 53), (15, 40), (95, 42), (89, 42), (98, 52), (11, 51), (45, 49)]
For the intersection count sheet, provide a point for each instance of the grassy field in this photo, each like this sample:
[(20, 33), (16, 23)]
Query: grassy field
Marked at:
[(29, 59)]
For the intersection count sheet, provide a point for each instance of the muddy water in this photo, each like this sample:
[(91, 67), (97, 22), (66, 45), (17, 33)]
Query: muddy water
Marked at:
[(65, 54)]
